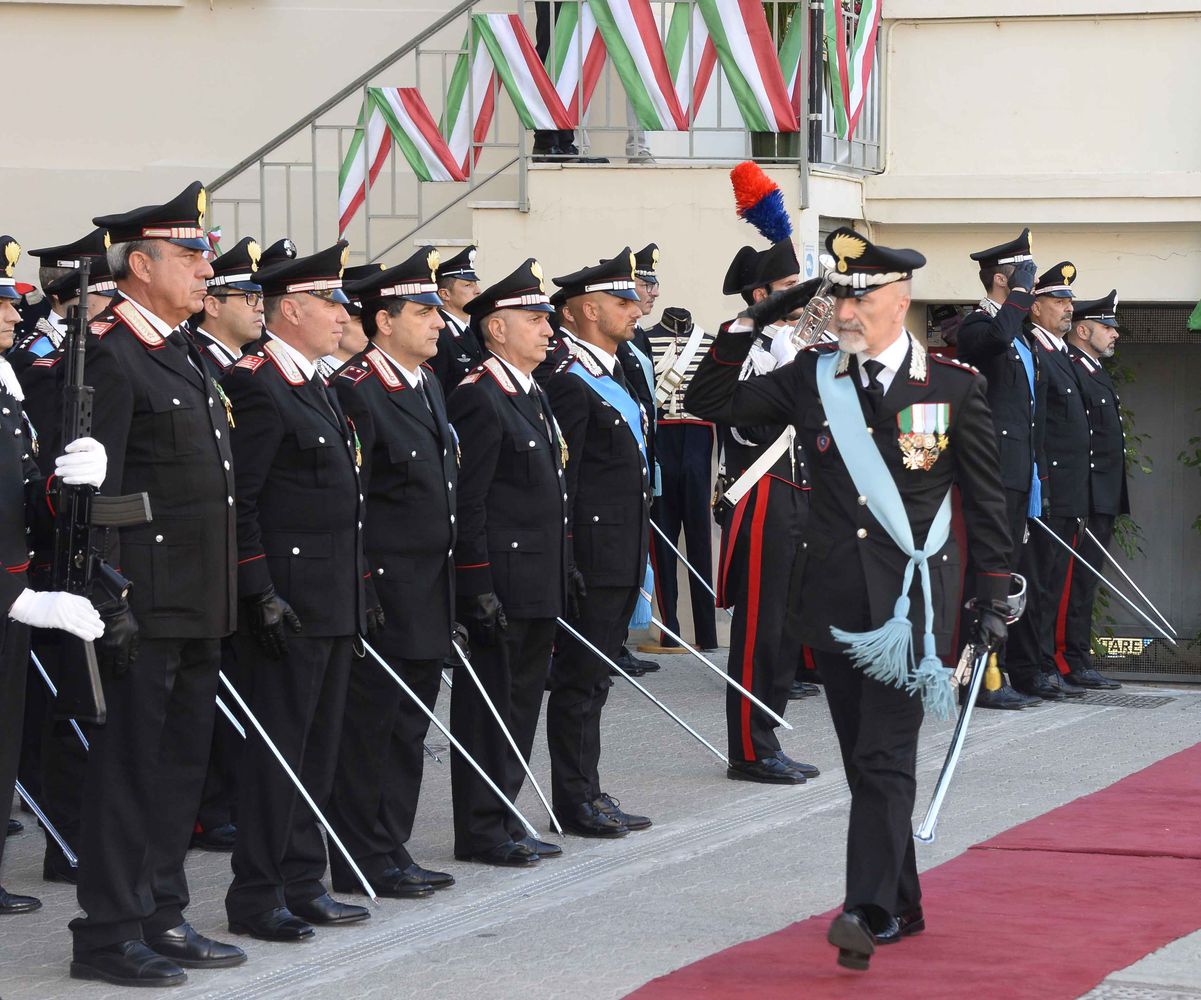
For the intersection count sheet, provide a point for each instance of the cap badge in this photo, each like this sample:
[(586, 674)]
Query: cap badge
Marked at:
[(633, 266), (655, 258), (847, 247), (12, 253), (201, 204), (536, 271), (471, 258), (345, 258), (254, 251), (108, 240), (1069, 272), (432, 260)]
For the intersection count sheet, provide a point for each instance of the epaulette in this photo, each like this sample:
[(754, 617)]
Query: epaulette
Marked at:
[(954, 363), (1042, 339), (283, 361), (497, 371), (353, 375), (250, 362), (428, 367), (139, 325), (384, 370), (474, 377), (36, 343), (99, 327), (586, 360), (47, 362), (1087, 363)]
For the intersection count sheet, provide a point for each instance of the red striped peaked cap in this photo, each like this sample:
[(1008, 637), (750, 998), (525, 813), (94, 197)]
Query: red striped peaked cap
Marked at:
[(179, 221), (525, 288), (856, 266), (1057, 282), (71, 255), (412, 280), (319, 274), (614, 275)]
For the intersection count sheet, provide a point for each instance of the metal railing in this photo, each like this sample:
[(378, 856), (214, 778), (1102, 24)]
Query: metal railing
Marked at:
[(862, 152), (289, 186)]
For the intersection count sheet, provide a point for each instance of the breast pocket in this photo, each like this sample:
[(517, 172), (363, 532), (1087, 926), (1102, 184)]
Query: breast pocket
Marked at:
[(315, 446), (525, 457), (177, 423)]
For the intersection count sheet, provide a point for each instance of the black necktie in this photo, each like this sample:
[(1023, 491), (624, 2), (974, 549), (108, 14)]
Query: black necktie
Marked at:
[(420, 387), (318, 386), (874, 390)]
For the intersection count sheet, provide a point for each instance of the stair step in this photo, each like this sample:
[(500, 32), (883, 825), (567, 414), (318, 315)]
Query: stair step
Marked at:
[(442, 241)]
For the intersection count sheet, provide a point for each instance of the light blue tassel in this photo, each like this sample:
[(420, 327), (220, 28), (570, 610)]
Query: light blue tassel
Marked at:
[(641, 618), (884, 654), (933, 681)]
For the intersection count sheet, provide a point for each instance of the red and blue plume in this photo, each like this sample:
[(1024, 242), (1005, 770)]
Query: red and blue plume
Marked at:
[(760, 201)]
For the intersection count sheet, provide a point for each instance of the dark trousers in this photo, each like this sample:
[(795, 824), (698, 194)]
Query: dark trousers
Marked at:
[(14, 662), (142, 783), (381, 759), (684, 453), (219, 798), (544, 139), (579, 687), (513, 672), (761, 569), (1082, 592), (1030, 649), (279, 857), (877, 727)]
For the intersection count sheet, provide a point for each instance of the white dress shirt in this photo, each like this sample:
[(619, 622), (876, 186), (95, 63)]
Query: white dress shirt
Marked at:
[(892, 357)]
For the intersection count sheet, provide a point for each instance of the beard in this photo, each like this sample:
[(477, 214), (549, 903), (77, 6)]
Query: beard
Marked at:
[(851, 340)]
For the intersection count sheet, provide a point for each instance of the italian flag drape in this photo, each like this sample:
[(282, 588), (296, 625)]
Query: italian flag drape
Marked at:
[(576, 57), (849, 70), (791, 46), (631, 37), (470, 102), (521, 72), (690, 56), (749, 59), (364, 160)]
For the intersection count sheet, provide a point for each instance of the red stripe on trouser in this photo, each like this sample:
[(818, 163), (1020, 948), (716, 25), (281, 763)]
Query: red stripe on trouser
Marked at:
[(1061, 620), (754, 570), (729, 539)]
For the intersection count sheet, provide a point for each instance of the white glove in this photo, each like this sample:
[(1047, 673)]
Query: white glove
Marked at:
[(782, 347), (58, 609), (83, 463)]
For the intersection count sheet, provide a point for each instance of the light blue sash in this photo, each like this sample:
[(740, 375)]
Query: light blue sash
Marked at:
[(648, 372), (1035, 507), (886, 653)]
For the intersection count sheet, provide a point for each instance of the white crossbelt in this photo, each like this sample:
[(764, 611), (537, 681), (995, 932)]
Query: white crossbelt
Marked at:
[(760, 467), (671, 379)]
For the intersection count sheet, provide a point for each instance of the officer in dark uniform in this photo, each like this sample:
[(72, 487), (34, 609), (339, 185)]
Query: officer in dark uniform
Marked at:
[(510, 561), (609, 493), (459, 347), (162, 422), (25, 519), (761, 542), (354, 340), (995, 339), (1031, 650), (1093, 338), (877, 401), (300, 588), (232, 316), (409, 474)]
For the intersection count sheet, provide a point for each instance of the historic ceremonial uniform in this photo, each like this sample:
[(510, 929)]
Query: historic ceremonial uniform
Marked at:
[(511, 545), (931, 428), (409, 474), (459, 346), (300, 514), (1108, 493)]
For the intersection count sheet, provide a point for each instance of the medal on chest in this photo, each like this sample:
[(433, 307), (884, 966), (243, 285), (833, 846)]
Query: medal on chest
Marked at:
[(229, 407), (922, 434)]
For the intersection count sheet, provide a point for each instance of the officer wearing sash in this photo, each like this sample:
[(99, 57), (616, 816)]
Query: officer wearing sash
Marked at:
[(410, 479), (300, 584), (609, 494), (1031, 653), (995, 340), (763, 510), (1093, 338), (459, 347), (890, 429), (232, 317), (510, 561)]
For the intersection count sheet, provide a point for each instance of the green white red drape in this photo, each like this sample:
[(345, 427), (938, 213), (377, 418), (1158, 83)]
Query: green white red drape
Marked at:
[(521, 72), (631, 37), (691, 56), (470, 102), (576, 57), (849, 66)]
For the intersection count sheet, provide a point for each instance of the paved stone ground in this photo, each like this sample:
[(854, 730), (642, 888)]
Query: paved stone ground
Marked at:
[(725, 861)]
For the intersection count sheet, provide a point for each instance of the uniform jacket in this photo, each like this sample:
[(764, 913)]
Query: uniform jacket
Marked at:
[(987, 343), (298, 499), (608, 491), (1107, 458), (852, 569), (459, 352), (410, 478), (26, 511), (512, 494), (1067, 433), (36, 358), (216, 356), (162, 422)]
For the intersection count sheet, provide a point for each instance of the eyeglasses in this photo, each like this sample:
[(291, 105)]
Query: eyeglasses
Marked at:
[(252, 298)]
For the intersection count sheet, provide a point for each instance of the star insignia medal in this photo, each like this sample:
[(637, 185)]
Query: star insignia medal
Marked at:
[(922, 434), (229, 407)]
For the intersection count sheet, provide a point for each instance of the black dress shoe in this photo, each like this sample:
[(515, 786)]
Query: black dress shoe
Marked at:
[(541, 847), (1004, 698), (1040, 687), (607, 804), (130, 963), (551, 154), (853, 938), (1070, 690), (58, 870), (807, 770), (219, 838), (769, 771), (902, 925), (439, 880), (796, 692), (628, 665), (586, 820), (1090, 678), (280, 924), (627, 660), (14, 826), (506, 855), (327, 910), (184, 946), (392, 884), (10, 902)]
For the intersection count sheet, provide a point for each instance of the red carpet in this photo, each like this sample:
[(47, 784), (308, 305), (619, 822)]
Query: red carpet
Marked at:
[(1042, 911)]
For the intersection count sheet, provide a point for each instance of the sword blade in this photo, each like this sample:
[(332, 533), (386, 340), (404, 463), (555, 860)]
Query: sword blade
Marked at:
[(691, 569), (1126, 576)]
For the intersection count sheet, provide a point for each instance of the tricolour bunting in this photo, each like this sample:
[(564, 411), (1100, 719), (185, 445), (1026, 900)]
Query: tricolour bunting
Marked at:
[(576, 57), (521, 72), (849, 70), (470, 102), (632, 39)]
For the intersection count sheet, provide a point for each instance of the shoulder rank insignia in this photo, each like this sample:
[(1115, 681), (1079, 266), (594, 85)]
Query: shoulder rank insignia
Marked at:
[(283, 361), (923, 434), (963, 366), (141, 327), (844, 363), (384, 370), (919, 371), (587, 361), (472, 378), (250, 362), (353, 375), (48, 362), (497, 371), (1086, 363), (99, 327)]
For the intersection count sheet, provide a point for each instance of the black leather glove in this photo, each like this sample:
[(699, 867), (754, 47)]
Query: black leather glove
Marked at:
[(267, 612), (118, 648), (375, 620), (576, 592), (1025, 275), (991, 629), (458, 635), (484, 617)]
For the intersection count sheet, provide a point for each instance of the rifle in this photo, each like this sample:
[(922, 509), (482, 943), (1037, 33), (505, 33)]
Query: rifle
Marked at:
[(81, 522)]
